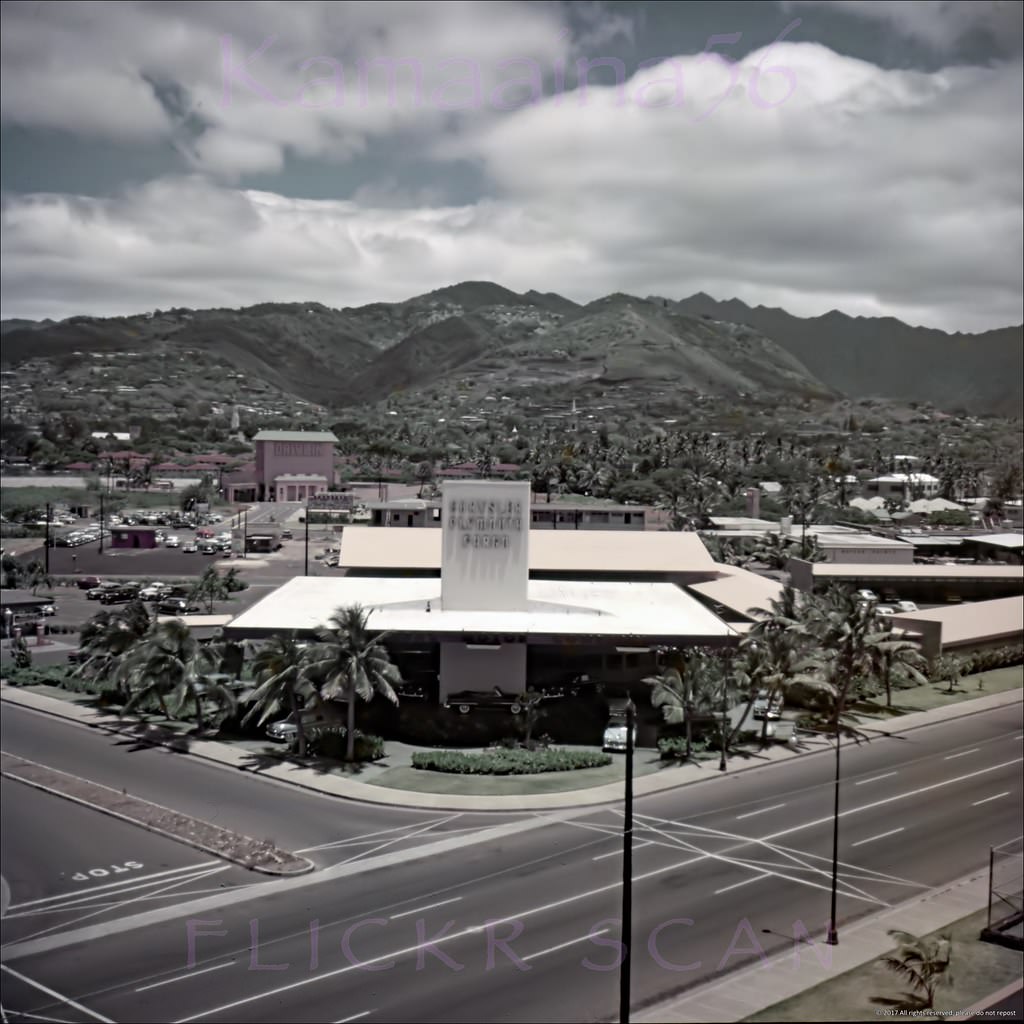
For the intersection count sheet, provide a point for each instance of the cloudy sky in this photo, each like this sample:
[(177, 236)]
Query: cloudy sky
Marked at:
[(859, 156)]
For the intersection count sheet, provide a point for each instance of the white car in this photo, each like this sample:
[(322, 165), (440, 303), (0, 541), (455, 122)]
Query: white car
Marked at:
[(867, 595), (615, 737), (190, 548), (885, 609), (763, 708), (907, 606), (155, 591), (48, 609), (172, 541)]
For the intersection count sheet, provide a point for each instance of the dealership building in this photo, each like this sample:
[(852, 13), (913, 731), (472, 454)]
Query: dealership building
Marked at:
[(291, 465), (485, 601)]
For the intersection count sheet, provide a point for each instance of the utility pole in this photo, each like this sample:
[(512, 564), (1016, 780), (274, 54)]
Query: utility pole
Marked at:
[(245, 531), (725, 729), (46, 550), (627, 871), (833, 932), (102, 522), (306, 570)]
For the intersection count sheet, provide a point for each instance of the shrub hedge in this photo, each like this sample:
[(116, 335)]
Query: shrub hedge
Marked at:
[(501, 761), (333, 744), (996, 657)]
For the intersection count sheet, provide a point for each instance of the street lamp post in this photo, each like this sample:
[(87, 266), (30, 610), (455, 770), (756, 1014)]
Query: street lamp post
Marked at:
[(627, 871), (725, 732), (46, 549), (245, 531), (102, 522), (306, 570)]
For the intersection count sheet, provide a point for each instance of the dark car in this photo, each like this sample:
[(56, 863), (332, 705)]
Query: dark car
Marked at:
[(177, 606), (119, 595), (286, 535), (89, 582), (96, 593), (497, 700)]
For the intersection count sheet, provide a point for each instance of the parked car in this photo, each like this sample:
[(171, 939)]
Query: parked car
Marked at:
[(155, 591), (616, 736), (906, 606), (190, 548), (48, 609), (466, 700), (885, 609), (314, 720), (97, 593), (765, 708), (119, 594), (286, 534), (867, 595), (209, 547), (172, 540), (88, 582), (177, 606)]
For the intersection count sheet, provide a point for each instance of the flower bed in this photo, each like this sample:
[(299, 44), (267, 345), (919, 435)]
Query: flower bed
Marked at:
[(501, 761)]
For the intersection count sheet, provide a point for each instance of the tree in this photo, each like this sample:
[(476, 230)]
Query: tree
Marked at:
[(278, 669), (424, 474), (353, 664), (530, 701), (947, 668), (13, 572), (924, 962), (211, 587), (37, 576), (892, 654), (105, 642), (673, 698), (170, 665), (20, 653)]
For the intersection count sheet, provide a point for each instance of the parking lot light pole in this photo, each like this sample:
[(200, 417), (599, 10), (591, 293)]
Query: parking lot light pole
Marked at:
[(306, 571), (102, 522), (832, 938)]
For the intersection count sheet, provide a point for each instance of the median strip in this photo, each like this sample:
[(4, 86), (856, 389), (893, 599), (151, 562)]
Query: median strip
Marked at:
[(254, 854)]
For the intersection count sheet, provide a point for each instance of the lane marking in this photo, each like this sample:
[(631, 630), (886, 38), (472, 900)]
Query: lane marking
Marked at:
[(963, 753), (764, 810), (978, 803), (746, 881), (419, 910), (877, 778), (355, 1016), (136, 881), (56, 995), (184, 977), (618, 853), (565, 945), (368, 837), (883, 835)]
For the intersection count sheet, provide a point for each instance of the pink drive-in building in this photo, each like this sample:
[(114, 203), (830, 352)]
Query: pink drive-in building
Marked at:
[(291, 465)]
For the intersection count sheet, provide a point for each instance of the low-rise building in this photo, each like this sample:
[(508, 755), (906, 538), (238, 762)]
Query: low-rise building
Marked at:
[(290, 465)]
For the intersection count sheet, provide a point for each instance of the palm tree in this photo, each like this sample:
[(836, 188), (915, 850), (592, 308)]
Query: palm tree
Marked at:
[(673, 698), (353, 664), (168, 662), (923, 962), (37, 576), (424, 474), (896, 655), (106, 641), (211, 587), (278, 669)]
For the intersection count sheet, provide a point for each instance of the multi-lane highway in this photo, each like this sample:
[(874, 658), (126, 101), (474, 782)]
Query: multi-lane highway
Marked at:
[(522, 926)]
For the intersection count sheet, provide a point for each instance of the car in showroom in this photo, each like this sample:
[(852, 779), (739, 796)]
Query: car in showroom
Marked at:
[(497, 699), (616, 737), (767, 706)]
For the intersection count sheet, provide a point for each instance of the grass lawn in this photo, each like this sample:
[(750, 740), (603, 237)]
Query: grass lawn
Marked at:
[(978, 969), (421, 781), (936, 695)]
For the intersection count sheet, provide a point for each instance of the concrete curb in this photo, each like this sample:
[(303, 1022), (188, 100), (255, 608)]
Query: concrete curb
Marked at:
[(361, 792), (305, 865)]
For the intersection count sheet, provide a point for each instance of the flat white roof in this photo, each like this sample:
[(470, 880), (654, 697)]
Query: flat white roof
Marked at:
[(582, 551), (1013, 541), (977, 620), (944, 572), (740, 590), (559, 608)]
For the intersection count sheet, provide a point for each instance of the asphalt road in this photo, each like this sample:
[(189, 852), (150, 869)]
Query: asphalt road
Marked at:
[(722, 870), (65, 864)]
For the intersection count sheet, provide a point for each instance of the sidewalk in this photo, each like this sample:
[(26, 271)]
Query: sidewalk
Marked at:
[(774, 979), (309, 778)]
